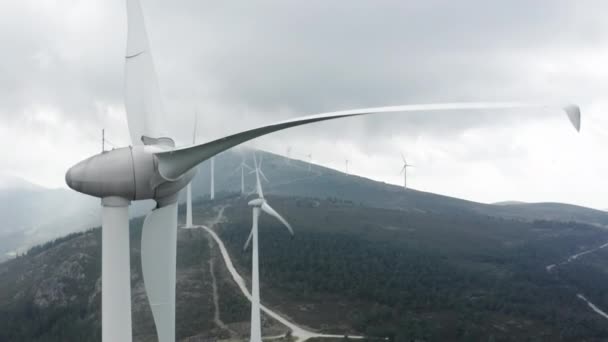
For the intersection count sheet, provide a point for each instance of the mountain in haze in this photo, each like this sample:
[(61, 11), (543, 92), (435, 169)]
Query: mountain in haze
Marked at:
[(14, 183), (32, 214), (509, 203)]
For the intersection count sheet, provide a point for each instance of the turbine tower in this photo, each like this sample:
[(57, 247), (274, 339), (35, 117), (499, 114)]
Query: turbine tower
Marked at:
[(212, 185), (258, 204), (153, 168), (404, 171), (346, 171), (189, 187), (243, 166)]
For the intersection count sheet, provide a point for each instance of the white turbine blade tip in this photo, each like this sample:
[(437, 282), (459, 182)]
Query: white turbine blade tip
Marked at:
[(574, 114)]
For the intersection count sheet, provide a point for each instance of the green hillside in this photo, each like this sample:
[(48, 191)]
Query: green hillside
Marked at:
[(368, 258), (410, 275)]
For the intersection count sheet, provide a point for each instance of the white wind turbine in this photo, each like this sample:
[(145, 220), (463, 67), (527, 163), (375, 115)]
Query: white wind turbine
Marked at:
[(153, 168), (258, 204), (346, 170), (404, 171), (243, 166), (258, 170)]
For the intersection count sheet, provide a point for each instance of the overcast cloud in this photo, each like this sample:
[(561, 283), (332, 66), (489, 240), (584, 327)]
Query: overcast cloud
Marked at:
[(244, 64)]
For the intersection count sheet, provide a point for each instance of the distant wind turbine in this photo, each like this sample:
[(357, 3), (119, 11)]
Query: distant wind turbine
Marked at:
[(189, 187), (258, 169), (404, 171), (243, 166), (258, 204), (346, 166)]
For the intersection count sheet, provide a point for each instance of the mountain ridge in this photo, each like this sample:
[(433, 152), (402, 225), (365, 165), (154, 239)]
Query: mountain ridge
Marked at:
[(32, 217)]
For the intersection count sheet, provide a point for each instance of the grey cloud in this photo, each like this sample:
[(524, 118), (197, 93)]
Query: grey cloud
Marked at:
[(243, 64)]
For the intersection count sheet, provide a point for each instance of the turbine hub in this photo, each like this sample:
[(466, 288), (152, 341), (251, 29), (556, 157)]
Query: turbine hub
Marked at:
[(258, 202), (129, 172)]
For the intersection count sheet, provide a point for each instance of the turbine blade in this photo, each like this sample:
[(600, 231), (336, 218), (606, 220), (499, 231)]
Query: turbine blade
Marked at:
[(247, 166), (258, 184), (248, 240), (143, 104), (174, 163), (259, 187), (263, 175), (402, 169), (403, 158), (158, 257), (116, 274), (268, 210), (255, 162), (574, 114)]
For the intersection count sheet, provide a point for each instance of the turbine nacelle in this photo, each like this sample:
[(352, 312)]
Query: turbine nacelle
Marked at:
[(130, 173)]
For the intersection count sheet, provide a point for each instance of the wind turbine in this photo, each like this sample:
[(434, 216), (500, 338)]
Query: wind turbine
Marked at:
[(346, 166), (404, 171), (153, 168), (243, 166), (258, 170), (258, 204)]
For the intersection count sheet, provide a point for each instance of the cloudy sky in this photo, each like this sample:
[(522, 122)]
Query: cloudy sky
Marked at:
[(242, 64)]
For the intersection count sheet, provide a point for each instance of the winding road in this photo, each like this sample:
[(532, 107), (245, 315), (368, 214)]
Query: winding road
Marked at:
[(216, 316), (299, 333), (580, 296)]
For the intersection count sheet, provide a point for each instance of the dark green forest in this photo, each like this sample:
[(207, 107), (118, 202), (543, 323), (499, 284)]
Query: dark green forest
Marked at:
[(408, 275), (449, 288)]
